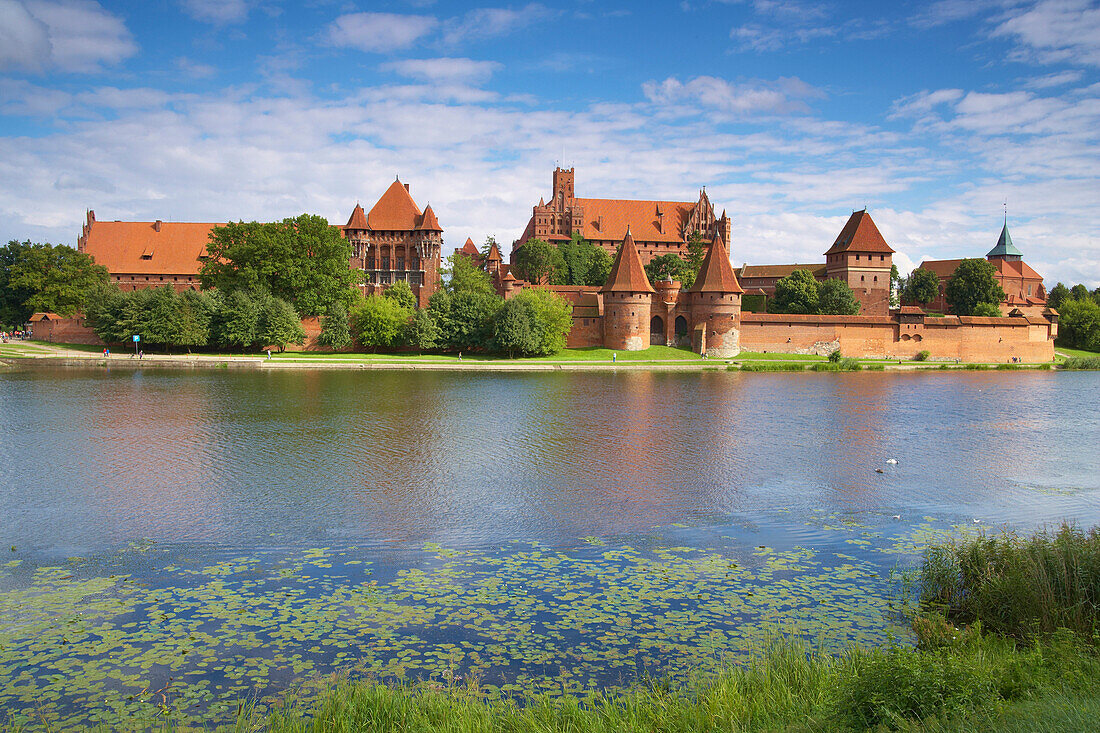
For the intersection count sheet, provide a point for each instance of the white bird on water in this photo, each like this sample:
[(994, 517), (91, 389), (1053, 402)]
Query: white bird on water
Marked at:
[(892, 461), (977, 521), (896, 516)]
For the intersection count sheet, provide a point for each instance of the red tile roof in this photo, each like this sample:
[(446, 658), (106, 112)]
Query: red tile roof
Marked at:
[(428, 222), (627, 274), (358, 219), (146, 247), (494, 253), (470, 248), (640, 217), (942, 268), (911, 310), (395, 211), (779, 271), (45, 317), (716, 273), (860, 235)]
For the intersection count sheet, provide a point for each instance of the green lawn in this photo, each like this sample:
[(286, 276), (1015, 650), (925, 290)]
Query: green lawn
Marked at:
[(1074, 352)]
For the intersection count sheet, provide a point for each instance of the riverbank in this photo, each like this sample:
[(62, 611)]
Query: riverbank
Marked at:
[(655, 358)]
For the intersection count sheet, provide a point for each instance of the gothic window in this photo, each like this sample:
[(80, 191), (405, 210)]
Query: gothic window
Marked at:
[(400, 263)]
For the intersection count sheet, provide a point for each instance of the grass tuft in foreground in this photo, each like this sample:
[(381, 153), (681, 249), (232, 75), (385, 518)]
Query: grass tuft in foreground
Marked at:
[(1018, 586)]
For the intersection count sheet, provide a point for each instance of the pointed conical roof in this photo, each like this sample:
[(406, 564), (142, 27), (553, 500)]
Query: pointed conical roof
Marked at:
[(429, 222), (395, 211), (1005, 247), (494, 253), (627, 274), (469, 248), (716, 273), (358, 219), (860, 235)]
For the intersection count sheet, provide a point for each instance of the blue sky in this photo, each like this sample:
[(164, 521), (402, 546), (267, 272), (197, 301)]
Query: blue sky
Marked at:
[(791, 112)]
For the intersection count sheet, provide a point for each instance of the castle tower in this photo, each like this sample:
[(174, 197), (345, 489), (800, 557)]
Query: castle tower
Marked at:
[(1005, 249), (355, 231), (627, 301), (862, 258), (715, 302), (429, 248)]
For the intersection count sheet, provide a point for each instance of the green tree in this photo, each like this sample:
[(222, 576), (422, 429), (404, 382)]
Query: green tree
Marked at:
[(379, 322), (161, 320), (402, 293), (335, 331), (795, 293), (537, 262), (1079, 324), (516, 331), (553, 319), (922, 286), (196, 317), (237, 322), (424, 332), (1057, 295), (835, 298), (280, 324), (468, 321), (1079, 292), (670, 266), (108, 315), (697, 252), (44, 277), (301, 260), (895, 286), (973, 282), (463, 276), (986, 309), (584, 263)]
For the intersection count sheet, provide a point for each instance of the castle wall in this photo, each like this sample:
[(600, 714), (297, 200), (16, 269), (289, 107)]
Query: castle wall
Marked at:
[(64, 331), (966, 338)]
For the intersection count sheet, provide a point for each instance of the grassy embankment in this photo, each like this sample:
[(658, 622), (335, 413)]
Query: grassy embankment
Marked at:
[(1008, 631)]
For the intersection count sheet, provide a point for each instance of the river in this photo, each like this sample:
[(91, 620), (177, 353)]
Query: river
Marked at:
[(190, 539)]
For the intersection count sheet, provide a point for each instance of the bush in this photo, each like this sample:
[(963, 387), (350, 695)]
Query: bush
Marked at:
[(335, 329), (922, 355), (835, 356)]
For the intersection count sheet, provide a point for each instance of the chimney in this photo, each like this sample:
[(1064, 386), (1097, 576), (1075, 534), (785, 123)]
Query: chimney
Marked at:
[(156, 225), (406, 187), (599, 223)]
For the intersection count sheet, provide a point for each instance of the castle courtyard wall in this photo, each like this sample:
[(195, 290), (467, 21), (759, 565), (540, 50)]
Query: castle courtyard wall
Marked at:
[(965, 338)]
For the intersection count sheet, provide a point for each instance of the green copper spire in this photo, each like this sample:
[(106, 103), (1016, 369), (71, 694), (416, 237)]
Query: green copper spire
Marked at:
[(1005, 247)]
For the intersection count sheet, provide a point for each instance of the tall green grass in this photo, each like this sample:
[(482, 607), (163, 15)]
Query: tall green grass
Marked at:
[(1018, 586), (770, 367), (1082, 362)]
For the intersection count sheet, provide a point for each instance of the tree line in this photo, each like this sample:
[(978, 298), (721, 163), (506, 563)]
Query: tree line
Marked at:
[(573, 262), (1078, 316), (801, 292), (973, 289), (466, 314)]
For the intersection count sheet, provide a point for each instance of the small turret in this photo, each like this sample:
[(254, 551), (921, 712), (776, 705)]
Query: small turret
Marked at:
[(715, 303)]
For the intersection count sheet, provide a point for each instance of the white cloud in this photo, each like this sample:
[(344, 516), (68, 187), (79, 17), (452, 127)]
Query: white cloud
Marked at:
[(70, 35), (445, 70), (218, 12), (378, 32), (740, 99), (1057, 31), (1057, 79), (491, 22), (756, 37)]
